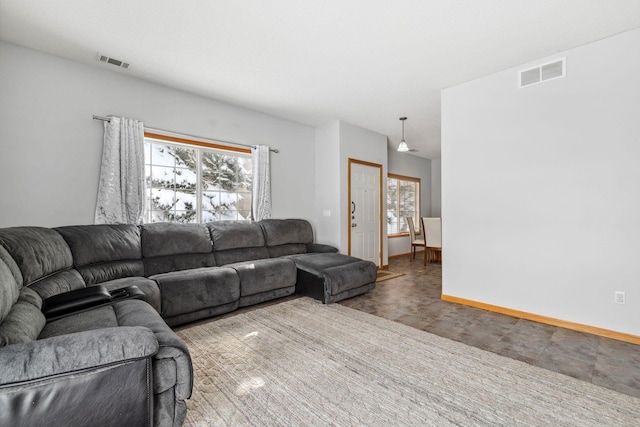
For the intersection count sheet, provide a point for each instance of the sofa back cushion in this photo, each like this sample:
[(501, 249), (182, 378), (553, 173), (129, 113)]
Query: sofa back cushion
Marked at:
[(235, 241), (104, 252), (10, 283), (43, 258), (37, 251), (25, 320), (287, 236), (20, 317), (172, 247)]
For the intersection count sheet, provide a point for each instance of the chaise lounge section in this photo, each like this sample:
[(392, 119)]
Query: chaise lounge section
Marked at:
[(321, 272)]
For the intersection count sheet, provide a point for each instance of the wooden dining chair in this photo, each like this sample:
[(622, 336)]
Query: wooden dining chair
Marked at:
[(432, 229), (416, 239)]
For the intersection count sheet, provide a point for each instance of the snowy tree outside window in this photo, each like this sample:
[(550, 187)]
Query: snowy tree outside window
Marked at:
[(188, 183), (403, 200)]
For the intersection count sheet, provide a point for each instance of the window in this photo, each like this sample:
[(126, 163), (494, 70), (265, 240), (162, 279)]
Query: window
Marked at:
[(193, 181), (403, 200)]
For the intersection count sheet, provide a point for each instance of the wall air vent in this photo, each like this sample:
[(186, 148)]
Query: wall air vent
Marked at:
[(542, 73), (112, 61)]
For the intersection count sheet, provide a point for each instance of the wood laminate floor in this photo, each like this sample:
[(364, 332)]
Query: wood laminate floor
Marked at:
[(414, 300)]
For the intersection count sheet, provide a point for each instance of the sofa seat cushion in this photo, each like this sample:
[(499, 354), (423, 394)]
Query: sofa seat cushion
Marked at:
[(192, 290), (322, 261), (333, 276), (265, 275), (108, 316), (98, 318)]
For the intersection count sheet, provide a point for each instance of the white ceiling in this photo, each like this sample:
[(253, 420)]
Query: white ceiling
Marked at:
[(366, 62)]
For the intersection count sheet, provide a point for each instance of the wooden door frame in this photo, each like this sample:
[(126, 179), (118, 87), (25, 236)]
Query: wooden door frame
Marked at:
[(375, 165)]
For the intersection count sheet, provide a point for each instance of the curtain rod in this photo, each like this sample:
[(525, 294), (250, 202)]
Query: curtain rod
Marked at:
[(107, 119)]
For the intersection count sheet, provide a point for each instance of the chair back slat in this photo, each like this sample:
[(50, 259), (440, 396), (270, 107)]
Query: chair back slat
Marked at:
[(412, 230)]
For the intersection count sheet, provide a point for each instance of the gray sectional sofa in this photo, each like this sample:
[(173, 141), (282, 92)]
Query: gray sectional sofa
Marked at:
[(119, 363)]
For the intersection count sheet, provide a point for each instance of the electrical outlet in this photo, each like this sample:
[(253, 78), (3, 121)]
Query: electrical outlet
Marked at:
[(619, 297)]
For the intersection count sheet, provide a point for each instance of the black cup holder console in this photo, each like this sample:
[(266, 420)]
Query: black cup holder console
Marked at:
[(87, 298)]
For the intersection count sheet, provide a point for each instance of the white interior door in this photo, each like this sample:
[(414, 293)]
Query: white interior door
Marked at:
[(364, 208)]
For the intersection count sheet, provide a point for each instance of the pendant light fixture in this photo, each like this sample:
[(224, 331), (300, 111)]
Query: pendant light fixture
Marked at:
[(403, 145)]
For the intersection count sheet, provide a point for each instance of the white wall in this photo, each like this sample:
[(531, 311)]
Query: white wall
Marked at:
[(327, 184), (356, 143), (541, 188), (50, 148), (416, 167), (436, 188)]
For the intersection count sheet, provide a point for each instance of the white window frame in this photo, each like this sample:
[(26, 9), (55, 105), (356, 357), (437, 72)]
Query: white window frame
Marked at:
[(416, 214), (199, 147)]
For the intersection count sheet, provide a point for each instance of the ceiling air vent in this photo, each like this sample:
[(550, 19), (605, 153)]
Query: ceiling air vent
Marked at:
[(542, 73), (112, 61)]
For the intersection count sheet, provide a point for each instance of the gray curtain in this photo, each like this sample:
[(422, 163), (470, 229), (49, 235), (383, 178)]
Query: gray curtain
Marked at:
[(261, 197), (121, 190)]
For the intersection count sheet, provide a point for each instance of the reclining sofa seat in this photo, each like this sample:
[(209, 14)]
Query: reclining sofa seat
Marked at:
[(207, 270), (241, 246), (111, 361), (180, 259)]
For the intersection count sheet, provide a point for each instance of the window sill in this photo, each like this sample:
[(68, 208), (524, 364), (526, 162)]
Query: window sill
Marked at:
[(392, 236)]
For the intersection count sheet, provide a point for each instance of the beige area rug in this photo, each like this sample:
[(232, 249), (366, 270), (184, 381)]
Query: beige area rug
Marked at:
[(301, 363), (386, 275)]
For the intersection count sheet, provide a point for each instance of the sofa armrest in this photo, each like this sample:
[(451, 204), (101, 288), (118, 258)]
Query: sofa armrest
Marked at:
[(320, 248), (172, 363), (98, 377), (74, 352)]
